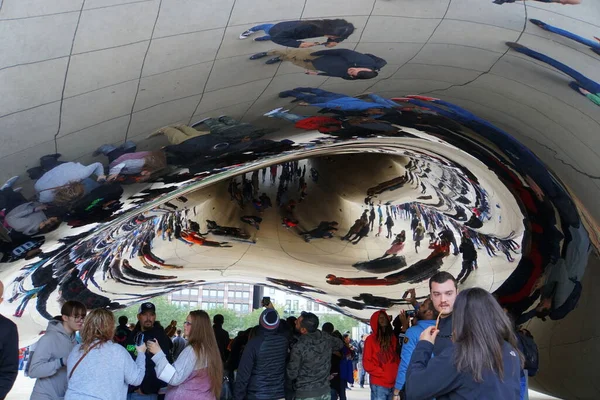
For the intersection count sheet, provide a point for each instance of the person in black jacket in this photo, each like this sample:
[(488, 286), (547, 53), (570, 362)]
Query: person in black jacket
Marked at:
[(482, 362), (151, 329), (289, 33), (222, 336), (467, 248), (122, 332), (341, 63), (9, 352), (261, 371)]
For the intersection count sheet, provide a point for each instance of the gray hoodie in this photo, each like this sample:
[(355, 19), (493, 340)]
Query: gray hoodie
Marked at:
[(45, 362), (26, 218)]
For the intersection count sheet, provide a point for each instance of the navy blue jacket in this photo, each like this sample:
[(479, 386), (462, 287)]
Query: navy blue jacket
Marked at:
[(336, 62), (151, 384), (450, 384), (9, 355), (288, 33), (260, 375)]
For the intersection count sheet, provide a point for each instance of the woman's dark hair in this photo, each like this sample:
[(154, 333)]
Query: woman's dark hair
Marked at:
[(335, 27), (480, 328), (366, 75)]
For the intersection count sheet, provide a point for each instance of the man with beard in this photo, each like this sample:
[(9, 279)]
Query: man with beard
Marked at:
[(443, 289), (150, 329)]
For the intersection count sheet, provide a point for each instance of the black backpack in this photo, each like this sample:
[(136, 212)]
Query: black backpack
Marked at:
[(530, 351)]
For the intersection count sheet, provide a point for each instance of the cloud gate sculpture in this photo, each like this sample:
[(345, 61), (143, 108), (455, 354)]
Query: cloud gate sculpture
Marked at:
[(165, 144)]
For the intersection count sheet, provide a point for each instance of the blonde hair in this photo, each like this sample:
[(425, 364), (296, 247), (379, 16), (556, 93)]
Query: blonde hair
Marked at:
[(98, 325), (203, 341), (69, 193)]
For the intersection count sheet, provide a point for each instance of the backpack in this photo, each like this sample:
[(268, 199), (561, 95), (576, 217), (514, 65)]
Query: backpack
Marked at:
[(569, 304), (530, 351)]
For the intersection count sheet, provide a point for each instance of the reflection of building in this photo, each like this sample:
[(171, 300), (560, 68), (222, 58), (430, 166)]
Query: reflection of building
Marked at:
[(238, 297), (234, 296), (293, 304)]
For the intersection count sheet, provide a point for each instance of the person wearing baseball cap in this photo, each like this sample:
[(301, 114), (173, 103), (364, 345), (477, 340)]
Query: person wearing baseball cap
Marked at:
[(260, 374), (151, 331)]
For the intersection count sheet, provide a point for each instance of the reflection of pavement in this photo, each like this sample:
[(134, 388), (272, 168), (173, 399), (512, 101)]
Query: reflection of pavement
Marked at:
[(23, 387)]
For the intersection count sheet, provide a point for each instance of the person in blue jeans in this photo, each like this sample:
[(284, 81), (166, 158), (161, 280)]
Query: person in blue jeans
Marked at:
[(582, 84), (324, 99), (594, 45)]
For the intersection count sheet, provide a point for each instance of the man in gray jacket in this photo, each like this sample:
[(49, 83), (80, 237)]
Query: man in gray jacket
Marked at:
[(310, 359), (30, 219), (49, 360)]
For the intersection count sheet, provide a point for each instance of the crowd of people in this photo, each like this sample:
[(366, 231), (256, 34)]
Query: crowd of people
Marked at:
[(454, 344)]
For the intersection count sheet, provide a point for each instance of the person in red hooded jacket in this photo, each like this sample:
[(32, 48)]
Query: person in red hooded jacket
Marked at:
[(380, 357)]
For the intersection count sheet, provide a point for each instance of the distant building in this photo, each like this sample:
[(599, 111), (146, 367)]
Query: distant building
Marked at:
[(238, 297), (234, 296)]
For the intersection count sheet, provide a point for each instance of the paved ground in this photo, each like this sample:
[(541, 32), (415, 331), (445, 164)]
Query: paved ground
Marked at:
[(24, 385)]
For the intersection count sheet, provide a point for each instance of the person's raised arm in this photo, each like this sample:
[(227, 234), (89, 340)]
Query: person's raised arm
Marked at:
[(176, 373)]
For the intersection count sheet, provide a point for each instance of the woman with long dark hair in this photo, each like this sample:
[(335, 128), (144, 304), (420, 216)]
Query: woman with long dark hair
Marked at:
[(380, 357), (483, 362), (198, 371)]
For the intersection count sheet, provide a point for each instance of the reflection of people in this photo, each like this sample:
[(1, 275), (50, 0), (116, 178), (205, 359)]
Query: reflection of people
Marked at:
[(126, 161), (231, 128), (63, 184), (594, 45), (29, 218), (341, 63), (178, 133), (482, 360), (336, 101), (582, 84), (571, 2), (290, 33), (469, 255)]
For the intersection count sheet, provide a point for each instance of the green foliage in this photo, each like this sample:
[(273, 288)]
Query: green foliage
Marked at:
[(340, 322)]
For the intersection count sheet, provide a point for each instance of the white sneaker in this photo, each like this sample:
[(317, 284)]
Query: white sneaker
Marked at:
[(246, 34), (275, 111)]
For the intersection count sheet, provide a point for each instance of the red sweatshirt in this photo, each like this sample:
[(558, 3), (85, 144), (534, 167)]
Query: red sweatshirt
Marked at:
[(382, 367)]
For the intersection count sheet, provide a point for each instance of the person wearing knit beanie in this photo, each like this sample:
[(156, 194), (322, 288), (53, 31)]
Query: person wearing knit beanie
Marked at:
[(269, 319)]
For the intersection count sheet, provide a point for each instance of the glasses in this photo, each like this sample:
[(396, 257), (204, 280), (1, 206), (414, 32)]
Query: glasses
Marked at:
[(187, 323), (78, 317)]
